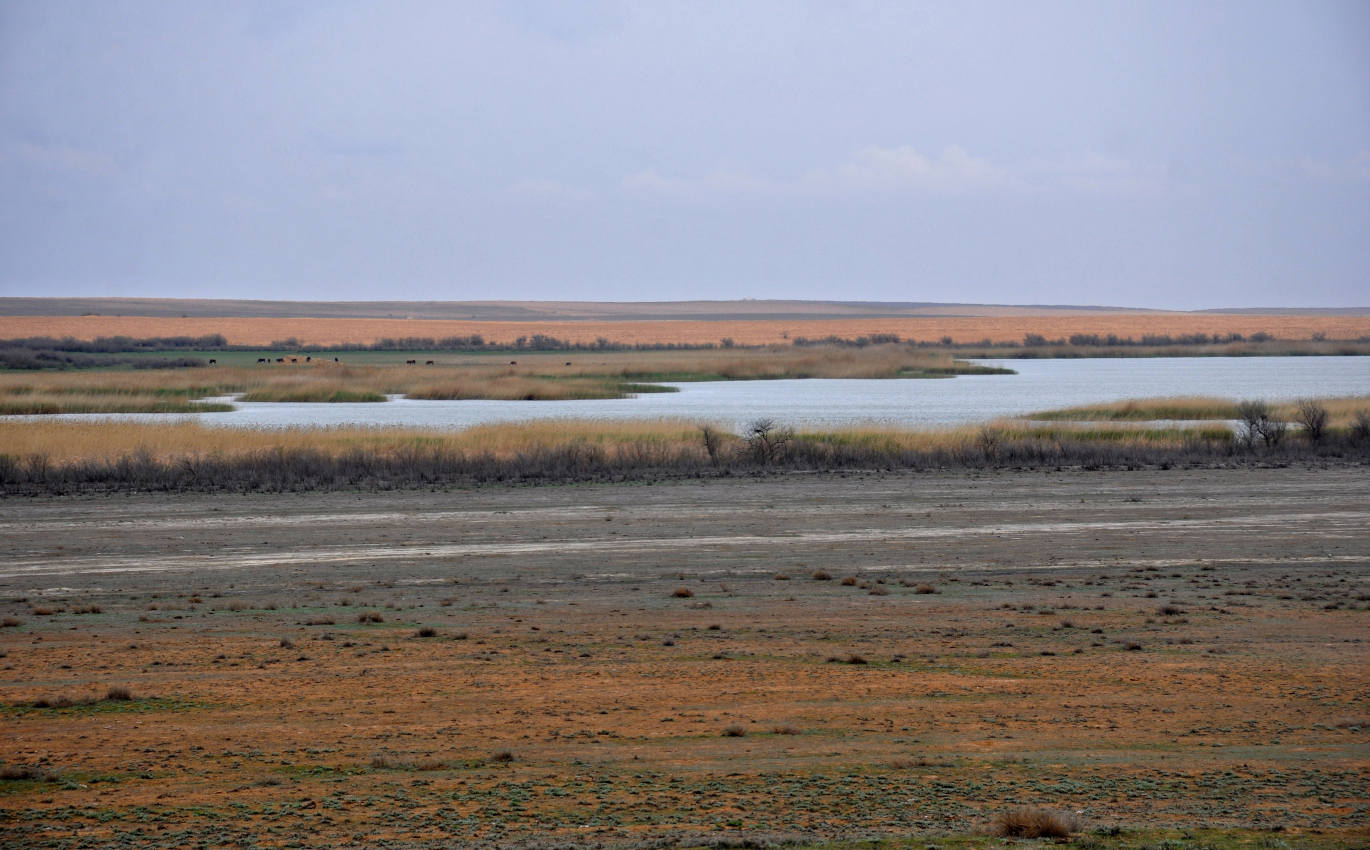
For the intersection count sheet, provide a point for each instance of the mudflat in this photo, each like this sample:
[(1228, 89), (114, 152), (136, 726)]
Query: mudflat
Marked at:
[(807, 655)]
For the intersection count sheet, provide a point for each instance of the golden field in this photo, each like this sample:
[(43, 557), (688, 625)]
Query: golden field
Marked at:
[(964, 329)]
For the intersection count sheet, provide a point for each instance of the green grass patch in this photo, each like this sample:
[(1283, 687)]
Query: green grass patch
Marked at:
[(66, 707)]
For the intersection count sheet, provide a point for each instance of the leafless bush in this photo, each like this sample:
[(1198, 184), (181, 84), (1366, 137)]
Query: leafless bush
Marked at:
[(713, 443), (1360, 426), (766, 440), (1312, 417), (1259, 423)]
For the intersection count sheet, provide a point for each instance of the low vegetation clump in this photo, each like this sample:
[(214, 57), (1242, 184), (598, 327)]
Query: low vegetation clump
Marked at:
[(1032, 822)]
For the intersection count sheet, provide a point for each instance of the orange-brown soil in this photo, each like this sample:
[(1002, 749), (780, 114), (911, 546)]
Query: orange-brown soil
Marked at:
[(1147, 648), (965, 329)]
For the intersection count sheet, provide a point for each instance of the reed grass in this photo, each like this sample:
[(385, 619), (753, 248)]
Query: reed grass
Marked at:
[(1341, 410), (64, 457), (531, 378)]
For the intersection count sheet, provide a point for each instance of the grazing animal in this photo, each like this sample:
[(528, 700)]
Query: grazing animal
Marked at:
[(294, 360), (280, 359), (335, 360), (261, 359), (428, 363), (410, 362), (513, 363), (568, 362), (307, 359), (212, 361)]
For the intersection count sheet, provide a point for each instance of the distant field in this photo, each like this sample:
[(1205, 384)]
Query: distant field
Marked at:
[(516, 311), (264, 331)]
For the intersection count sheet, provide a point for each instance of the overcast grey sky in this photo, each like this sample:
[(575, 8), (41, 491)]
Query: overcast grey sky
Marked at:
[(1162, 154)]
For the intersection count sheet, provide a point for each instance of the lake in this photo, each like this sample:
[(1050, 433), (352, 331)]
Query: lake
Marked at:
[(816, 403)]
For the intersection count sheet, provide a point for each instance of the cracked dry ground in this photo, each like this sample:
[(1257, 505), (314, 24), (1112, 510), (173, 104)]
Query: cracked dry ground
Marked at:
[(613, 663)]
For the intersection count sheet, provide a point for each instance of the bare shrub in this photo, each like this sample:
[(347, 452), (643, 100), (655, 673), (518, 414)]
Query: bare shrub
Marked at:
[(502, 756), (1259, 423), (766, 440), (118, 693), (1312, 418), (1360, 426), (734, 731), (849, 581), (713, 443), (1032, 822), (682, 593), (11, 622), (821, 575), (370, 617), (785, 729), (426, 632), (924, 589)]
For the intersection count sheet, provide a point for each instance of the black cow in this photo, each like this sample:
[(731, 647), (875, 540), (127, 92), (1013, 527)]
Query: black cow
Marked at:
[(513, 363), (428, 363), (261, 359), (410, 362), (213, 361)]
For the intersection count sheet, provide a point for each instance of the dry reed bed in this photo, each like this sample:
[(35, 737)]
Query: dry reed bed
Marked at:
[(1342, 411), (542, 377), (66, 457), (965, 329)]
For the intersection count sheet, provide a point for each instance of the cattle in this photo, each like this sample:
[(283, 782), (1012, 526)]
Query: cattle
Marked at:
[(261, 359), (307, 359), (294, 360), (335, 360), (213, 362), (513, 363), (568, 362), (428, 363), (410, 362), (280, 359)]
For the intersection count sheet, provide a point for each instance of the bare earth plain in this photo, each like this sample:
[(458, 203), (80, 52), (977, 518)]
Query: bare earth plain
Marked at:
[(615, 664)]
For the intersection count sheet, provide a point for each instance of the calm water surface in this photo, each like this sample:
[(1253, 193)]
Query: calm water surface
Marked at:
[(1039, 385)]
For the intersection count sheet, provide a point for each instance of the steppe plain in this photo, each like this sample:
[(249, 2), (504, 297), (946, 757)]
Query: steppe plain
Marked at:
[(1175, 658), (1163, 651)]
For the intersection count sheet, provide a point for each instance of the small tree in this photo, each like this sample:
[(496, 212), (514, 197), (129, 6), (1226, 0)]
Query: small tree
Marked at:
[(1312, 417), (1257, 423), (765, 440)]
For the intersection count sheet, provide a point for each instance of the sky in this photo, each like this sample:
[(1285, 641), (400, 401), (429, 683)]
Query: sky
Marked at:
[(1179, 155)]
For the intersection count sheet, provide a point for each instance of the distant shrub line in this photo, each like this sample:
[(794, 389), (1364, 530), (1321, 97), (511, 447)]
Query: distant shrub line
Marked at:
[(429, 467), (43, 352)]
